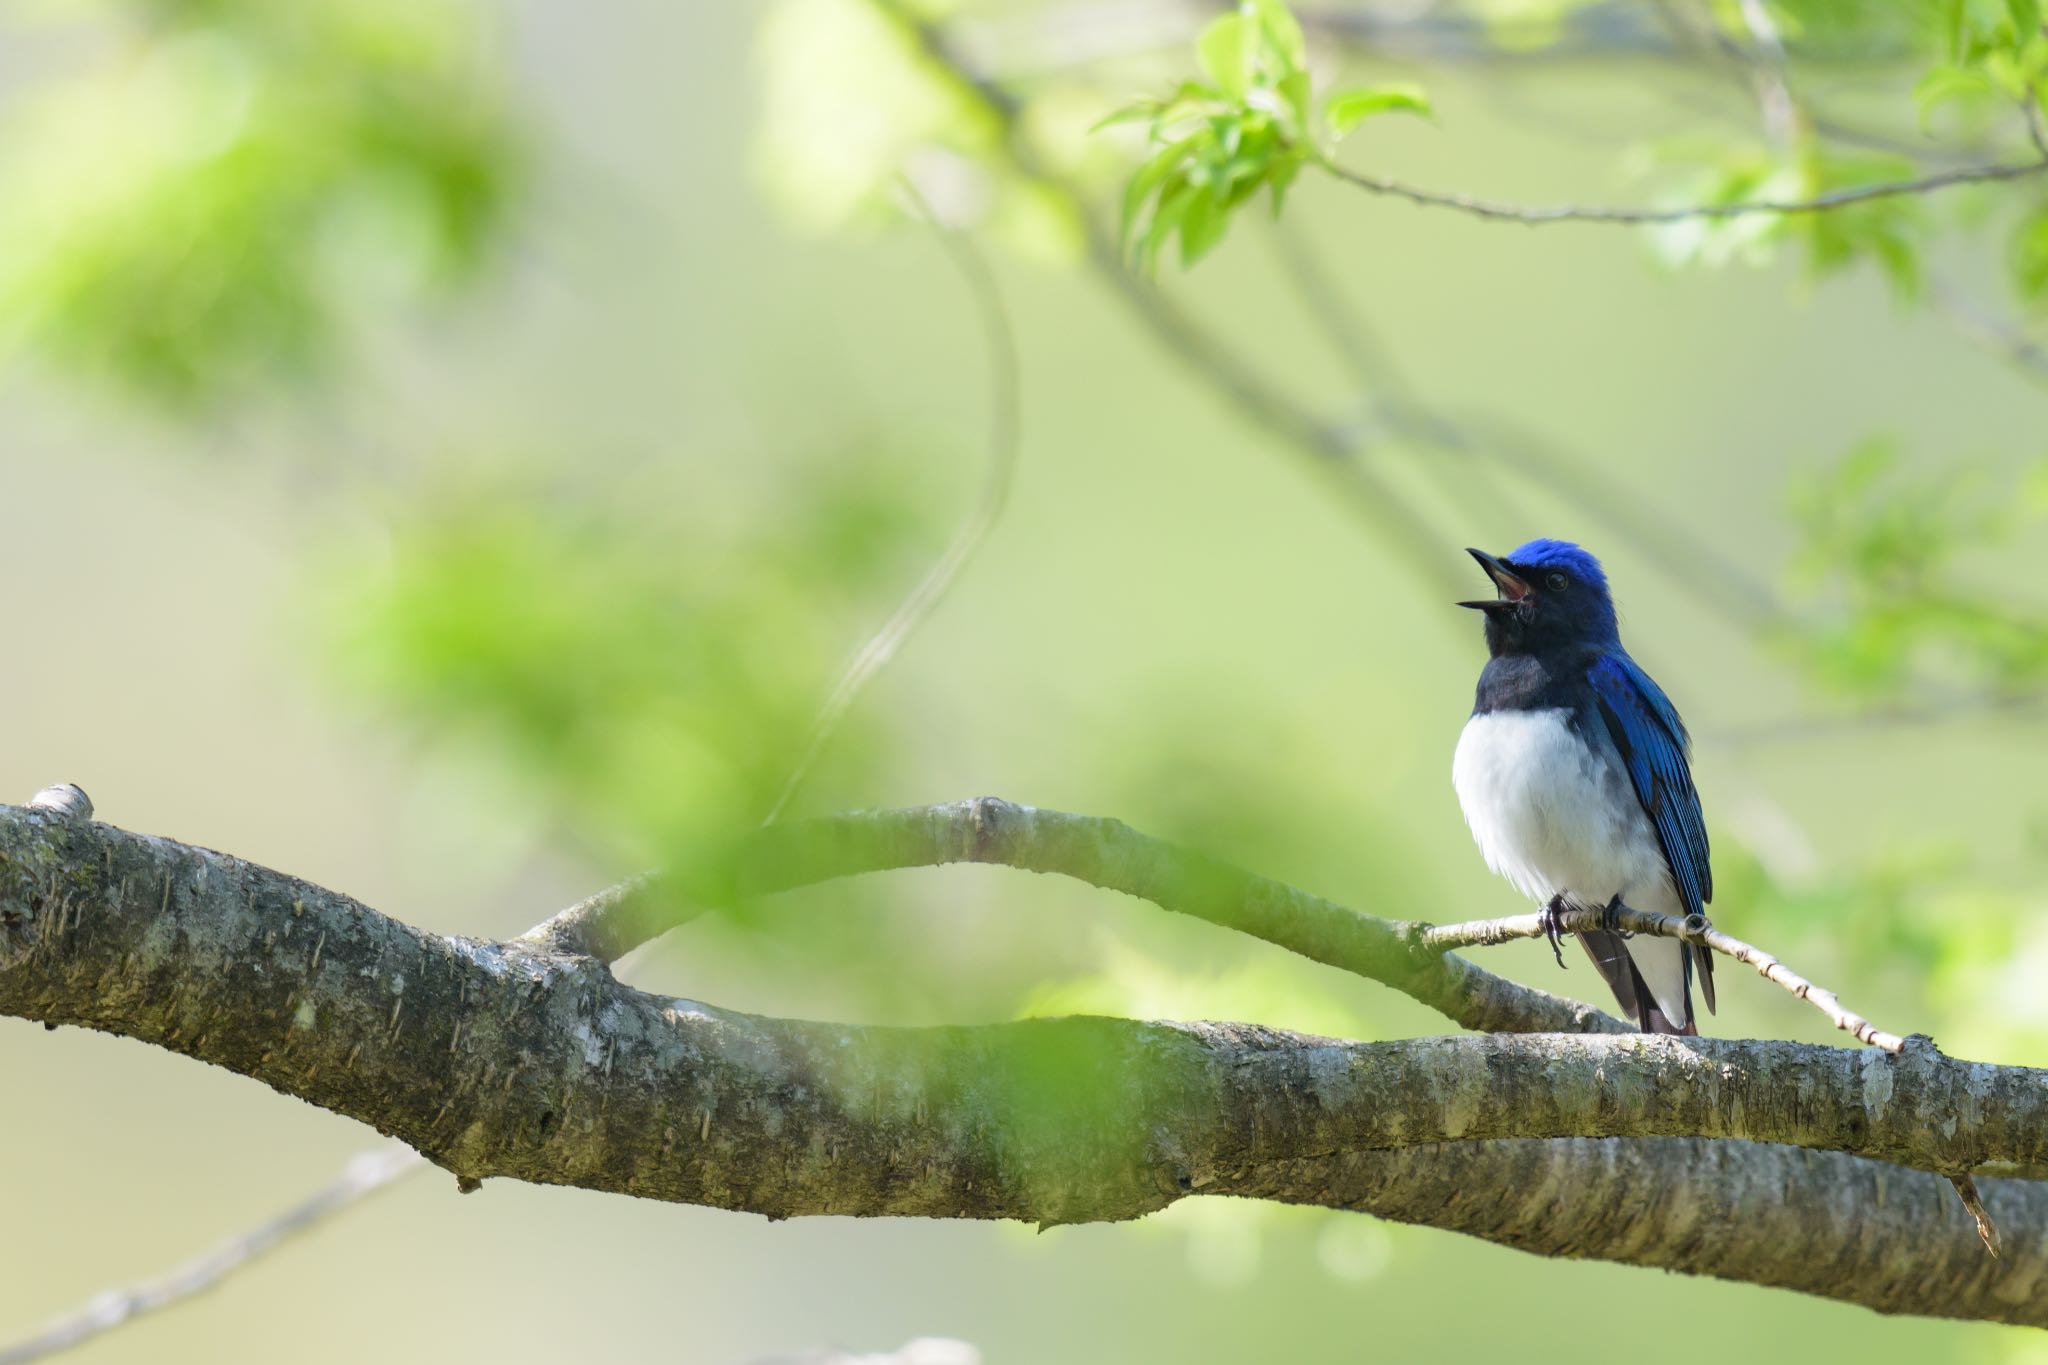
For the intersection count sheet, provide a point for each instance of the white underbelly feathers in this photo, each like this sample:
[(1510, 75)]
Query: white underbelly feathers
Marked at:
[(1556, 815)]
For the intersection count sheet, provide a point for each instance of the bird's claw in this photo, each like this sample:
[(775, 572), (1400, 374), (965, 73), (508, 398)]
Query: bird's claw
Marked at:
[(1610, 918), (1553, 928)]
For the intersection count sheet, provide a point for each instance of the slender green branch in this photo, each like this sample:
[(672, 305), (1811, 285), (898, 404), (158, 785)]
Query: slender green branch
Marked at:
[(1101, 852)]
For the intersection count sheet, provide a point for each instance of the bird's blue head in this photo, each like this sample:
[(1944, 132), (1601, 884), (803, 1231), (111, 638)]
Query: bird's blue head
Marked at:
[(1552, 596)]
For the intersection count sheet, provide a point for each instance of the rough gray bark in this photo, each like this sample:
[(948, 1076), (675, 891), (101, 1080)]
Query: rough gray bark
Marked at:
[(1820, 1223), (519, 1060)]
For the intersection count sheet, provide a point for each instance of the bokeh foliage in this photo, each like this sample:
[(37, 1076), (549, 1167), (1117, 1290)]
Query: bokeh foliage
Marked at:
[(208, 202), (648, 668), (1890, 552)]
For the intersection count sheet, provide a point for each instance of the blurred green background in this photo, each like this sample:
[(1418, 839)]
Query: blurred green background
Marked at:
[(448, 451)]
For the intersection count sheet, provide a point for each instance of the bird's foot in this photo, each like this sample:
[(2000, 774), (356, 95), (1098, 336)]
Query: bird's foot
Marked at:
[(1553, 928), (1610, 918)]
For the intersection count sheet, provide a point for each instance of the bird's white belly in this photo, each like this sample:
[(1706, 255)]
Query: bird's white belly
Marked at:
[(1555, 815)]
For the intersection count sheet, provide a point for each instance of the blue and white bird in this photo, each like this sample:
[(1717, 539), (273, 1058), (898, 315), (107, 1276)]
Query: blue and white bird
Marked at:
[(1573, 776)]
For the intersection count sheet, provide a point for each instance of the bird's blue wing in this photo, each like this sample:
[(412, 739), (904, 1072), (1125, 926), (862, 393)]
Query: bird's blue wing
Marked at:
[(1653, 743)]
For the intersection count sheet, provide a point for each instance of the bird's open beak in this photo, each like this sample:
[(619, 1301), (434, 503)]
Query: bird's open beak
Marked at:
[(1513, 588)]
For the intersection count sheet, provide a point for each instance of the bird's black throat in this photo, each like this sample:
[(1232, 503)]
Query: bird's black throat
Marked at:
[(1549, 681)]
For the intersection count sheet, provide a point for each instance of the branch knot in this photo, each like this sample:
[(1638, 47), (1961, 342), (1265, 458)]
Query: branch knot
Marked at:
[(64, 801)]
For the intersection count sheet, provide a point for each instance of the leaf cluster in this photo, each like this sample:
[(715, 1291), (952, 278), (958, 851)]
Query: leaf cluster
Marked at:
[(1247, 127)]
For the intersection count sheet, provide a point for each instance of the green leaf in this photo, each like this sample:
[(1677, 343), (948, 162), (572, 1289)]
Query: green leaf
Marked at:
[(1177, 104), (1229, 130), (1225, 50), (1203, 226), (2029, 257), (1280, 33), (1348, 109), (2005, 71), (2026, 16), (1294, 95), (1139, 112), (1174, 204), (1251, 154), (1151, 176), (1190, 92), (1947, 83), (1281, 176)]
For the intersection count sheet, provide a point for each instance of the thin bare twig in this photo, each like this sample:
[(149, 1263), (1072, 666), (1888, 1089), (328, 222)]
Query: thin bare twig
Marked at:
[(1662, 539), (1941, 711), (2007, 340), (1003, 443), (921, 1351), (1331, 452), (1966, 1189), (365, 1174), (1578, 213), (1697, 930), (1774, 89), (1058, 38), (2037, 132)]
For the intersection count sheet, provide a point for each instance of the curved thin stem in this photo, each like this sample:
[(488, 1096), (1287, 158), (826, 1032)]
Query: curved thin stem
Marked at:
[(365, 1174), (1004, 439)]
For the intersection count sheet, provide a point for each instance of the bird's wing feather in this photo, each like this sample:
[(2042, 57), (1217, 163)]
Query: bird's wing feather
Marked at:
[(1653, 744)]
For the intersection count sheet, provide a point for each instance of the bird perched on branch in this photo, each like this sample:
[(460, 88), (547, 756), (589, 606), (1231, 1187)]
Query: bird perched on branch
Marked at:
[(1572, 773)]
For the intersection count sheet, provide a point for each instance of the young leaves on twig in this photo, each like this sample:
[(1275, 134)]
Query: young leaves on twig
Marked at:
[(1248, 126), (1349, 108), (1993, 49)]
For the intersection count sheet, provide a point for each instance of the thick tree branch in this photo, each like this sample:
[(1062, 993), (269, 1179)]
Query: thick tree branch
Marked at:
[(1816, 1222), (507, 1060)]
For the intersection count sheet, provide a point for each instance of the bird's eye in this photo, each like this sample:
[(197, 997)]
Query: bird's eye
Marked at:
[(1557, 582)]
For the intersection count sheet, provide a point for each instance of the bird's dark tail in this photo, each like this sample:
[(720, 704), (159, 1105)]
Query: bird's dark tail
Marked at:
[(1610, 954)]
